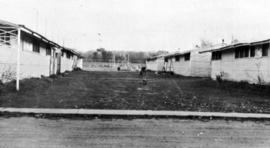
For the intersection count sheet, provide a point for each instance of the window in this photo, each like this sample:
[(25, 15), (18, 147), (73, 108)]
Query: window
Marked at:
[(265, 48), (62, 53), (237, 53), (177, 58), (48, 50), (187, 57), (2, 36), (68, 55), (242, 52), (216, 55), (27, 44), (246, 51), (166, 59), (36, 47), (252, 51)]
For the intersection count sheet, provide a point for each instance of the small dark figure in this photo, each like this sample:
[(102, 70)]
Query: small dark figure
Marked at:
[(143, 74), (143, 71), (118, 68)]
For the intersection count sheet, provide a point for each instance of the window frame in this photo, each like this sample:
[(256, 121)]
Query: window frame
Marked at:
[(242, 52), (252, 51), (187, 57), (68, 55), (265, 50), (166, 59), (36, 46), (177, 58), (217, 55), (48, 50)]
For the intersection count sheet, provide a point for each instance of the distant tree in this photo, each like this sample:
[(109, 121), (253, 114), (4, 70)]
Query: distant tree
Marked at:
[(107, 56), (95, 57), (205, 43), (234, 41), (137, 57), (101, 50), (160, 52), (119, 58), (102, 55)]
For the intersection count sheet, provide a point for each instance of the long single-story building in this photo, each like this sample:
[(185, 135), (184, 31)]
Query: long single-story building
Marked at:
[(189, 63), (248, 62), (155, 63), (70, 59), (25, 53)]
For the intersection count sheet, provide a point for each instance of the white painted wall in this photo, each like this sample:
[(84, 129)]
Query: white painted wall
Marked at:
[(34, 64), (155, 65), (169, 65), (243, 69), (80, 63), (199, 65), (181, 67), (66, 64), (150, 65), (77, 62)]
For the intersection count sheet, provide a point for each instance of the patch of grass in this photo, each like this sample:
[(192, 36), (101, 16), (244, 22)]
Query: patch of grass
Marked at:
[(125, 90)]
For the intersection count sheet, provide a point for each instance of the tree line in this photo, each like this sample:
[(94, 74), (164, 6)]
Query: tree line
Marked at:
[(103, 55)]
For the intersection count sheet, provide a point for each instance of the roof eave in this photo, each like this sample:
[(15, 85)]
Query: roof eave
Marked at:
[(226, 47)]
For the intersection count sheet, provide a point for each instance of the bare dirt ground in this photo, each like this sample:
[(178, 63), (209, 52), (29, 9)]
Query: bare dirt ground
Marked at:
[(26, 132), (124, 90)]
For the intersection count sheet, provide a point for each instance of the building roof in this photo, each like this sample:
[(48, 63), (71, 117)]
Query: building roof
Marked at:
[(6, 24), (260, 42), (237, 45), (25, 29), (197, 49), (178, 53), (74, 51), (155, 57)]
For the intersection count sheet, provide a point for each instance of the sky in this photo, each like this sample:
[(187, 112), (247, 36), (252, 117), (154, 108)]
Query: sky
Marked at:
[(141, 25)]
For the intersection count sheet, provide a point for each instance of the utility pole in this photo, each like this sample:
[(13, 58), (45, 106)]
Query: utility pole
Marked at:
[(128, 59), (113, 60), (100, 39), (18, 59)]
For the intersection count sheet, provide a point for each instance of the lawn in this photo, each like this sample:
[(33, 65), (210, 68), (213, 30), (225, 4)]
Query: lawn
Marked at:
[(124, 90)]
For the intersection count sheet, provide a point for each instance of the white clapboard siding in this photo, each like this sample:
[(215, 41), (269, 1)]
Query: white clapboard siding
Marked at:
[(251, 69)]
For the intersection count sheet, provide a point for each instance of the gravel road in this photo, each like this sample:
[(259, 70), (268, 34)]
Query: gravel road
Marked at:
[(27, 132)]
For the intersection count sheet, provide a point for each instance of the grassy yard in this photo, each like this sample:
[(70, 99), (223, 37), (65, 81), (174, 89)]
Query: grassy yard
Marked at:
[(124, 90)]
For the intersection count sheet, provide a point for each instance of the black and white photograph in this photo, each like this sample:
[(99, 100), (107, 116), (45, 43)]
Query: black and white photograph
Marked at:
[(134, 73)]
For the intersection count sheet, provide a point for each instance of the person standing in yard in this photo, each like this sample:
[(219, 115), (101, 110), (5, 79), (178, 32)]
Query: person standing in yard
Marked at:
[(143, 75)]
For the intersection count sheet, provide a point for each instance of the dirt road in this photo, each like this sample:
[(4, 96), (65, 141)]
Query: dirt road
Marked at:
[(27, 132)]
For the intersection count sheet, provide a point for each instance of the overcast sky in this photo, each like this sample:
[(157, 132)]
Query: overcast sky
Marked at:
[(141, 25)]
